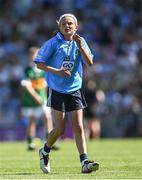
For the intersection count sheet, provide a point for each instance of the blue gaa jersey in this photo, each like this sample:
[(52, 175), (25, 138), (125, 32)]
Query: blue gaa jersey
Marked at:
[(58, 53)]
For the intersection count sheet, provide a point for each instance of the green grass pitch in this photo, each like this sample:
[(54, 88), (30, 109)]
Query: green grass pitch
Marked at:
[(118, 158)]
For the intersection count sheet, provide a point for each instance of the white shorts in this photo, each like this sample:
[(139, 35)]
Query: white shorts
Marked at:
[(36, 112)]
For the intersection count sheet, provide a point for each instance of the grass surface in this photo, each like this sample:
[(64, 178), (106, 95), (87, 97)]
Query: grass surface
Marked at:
[(118, 158)]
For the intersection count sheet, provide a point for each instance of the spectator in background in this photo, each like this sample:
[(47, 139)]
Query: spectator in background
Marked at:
[(92, 122)]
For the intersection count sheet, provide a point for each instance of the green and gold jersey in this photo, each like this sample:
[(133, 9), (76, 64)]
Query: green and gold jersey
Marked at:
[(37, 79)]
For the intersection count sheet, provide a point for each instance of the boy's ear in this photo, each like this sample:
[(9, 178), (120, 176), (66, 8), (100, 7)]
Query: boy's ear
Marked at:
[(77, 27), (57, 24)]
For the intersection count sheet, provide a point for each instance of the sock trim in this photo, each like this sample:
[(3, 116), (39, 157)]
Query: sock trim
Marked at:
[(47, 149), (82, 162), (83, 158), (44, 152)]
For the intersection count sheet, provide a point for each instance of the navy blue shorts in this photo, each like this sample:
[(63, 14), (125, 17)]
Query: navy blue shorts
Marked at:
[(66, 102)]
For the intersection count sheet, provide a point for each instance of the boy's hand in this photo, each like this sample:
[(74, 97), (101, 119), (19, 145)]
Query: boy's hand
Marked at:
[(78, 40), (64, 72)]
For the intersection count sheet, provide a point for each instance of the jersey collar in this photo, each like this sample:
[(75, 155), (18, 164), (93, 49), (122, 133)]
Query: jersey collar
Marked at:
[(59, 36)]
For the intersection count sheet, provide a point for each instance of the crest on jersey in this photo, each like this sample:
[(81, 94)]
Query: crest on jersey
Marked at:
[(68, 65)]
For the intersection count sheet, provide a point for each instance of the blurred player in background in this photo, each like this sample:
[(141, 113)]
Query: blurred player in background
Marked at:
[(92, 121), (34, 99)]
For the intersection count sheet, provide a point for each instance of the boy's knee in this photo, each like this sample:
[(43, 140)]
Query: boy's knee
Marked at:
[(78, 129)]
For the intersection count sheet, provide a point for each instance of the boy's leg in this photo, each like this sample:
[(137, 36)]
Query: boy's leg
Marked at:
[(77, 126), (52, 137), (48, 124), (31, 130), (59, 128)]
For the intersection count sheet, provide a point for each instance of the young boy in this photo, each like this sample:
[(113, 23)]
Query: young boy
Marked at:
[(62, 58)]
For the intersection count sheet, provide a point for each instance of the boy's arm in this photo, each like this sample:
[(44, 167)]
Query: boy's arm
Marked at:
[(60, 72), (28, 86), (84, 52)]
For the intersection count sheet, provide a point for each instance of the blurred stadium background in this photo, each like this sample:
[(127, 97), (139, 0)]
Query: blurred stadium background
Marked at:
[(113, 29)]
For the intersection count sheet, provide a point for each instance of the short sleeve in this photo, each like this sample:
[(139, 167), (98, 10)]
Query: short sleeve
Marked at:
[(85, 46), (44, 53)]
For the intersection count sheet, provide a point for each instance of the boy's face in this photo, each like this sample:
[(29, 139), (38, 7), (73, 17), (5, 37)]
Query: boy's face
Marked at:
[(68, 26)]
